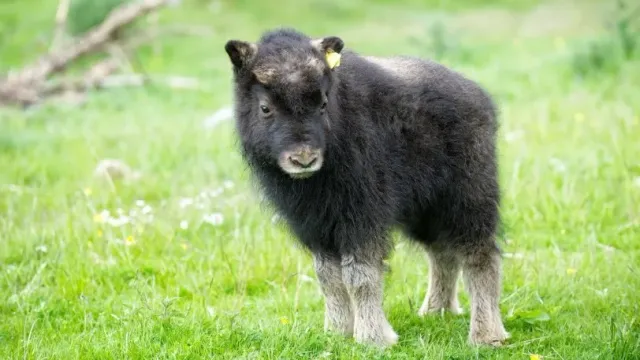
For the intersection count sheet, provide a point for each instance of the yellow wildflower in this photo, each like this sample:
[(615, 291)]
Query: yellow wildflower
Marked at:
[(284, 320), (130, 240), (571, 271)]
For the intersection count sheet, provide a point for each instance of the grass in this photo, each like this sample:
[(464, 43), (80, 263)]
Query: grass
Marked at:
[(74, 287)]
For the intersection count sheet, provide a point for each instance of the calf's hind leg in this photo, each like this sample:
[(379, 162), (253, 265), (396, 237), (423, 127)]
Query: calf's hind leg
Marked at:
[(482, 276), (444, 268)]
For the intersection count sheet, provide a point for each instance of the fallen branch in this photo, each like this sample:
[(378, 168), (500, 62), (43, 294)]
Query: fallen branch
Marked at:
[(91, 79), (25, 87), (101, 74), (100, 77)]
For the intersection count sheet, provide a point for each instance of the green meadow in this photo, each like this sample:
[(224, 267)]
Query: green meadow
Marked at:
[(187, 262)]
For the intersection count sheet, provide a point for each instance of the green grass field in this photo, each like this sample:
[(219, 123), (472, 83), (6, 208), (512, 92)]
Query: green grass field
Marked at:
[(202, 270)]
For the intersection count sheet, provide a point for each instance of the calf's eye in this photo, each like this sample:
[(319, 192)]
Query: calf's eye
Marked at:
[(265, 110)]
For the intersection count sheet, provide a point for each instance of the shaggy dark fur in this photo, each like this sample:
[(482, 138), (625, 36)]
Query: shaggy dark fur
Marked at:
[(404, 144)]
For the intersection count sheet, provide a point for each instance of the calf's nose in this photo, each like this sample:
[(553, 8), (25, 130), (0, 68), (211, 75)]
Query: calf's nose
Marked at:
[(304, 157)]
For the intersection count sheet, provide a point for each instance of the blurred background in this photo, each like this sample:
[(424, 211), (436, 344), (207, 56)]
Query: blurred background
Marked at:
[(129, 226)]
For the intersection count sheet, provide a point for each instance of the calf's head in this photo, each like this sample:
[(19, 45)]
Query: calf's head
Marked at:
[(283, 99)]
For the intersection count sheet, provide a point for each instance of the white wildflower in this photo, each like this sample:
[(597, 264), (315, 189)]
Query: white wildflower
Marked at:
[(146, 209), (214, 218), (557, 165), (119, 221), (115, 169), (216, 192), (102, 216), (228, 184), (184, 202), (140, 203), (184, 224), (513, 136), (305, 278), (42, 249), (98, 260), (202, 195)]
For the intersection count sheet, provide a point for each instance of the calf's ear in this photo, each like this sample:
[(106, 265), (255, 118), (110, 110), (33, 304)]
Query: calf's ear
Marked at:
[(240, 52), (329, 43)]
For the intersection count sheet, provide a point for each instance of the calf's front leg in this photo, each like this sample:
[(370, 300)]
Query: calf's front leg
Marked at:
[(338, 309), (364, 282)]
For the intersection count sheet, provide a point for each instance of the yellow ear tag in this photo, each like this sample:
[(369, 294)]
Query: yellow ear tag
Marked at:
[(333, 58)]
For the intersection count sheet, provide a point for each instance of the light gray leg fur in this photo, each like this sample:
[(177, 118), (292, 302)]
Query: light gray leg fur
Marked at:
[(338, 309), (481, 271), (444, 268), (364, 282)]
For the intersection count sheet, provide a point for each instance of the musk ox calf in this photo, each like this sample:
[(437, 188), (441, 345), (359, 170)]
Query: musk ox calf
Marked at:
[(349, 147)]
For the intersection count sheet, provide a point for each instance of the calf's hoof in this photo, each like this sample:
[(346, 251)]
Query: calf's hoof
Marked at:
[(493, 339), (382, 337)]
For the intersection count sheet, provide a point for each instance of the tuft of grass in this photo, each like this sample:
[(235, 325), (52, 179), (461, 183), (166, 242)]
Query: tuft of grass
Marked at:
[(610, 51), (85, 14), (441, 44)]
